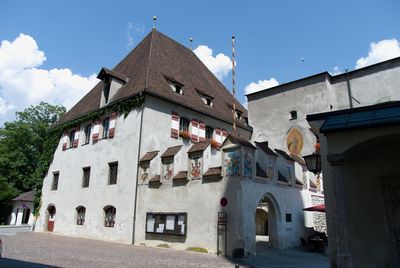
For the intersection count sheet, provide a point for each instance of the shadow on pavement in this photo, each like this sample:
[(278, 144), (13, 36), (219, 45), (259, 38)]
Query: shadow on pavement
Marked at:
[(11, 263)]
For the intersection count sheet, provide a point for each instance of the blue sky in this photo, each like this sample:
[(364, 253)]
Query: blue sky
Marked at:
[(66, 42)]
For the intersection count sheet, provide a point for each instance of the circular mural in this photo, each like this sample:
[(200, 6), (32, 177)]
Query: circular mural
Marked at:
[(295, 141)]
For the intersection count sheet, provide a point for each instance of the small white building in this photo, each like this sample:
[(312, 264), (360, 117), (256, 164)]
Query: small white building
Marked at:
[(22, 210)]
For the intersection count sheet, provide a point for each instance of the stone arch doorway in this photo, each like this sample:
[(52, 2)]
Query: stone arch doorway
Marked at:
[(266, 221), (50, 217)]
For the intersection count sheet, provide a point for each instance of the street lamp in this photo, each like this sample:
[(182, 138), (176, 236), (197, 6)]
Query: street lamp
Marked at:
[(313, 163)]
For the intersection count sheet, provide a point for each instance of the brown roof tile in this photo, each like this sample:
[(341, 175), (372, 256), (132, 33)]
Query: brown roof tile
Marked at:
[(214, 171), (171, 151), (28, 196), (149, 156), (154, 58), (200, 146), (181, 175), (264, 146), (313, 184), (156, 178), (299, 182)]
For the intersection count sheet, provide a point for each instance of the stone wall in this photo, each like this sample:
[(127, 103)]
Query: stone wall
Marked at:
[(319, 217)]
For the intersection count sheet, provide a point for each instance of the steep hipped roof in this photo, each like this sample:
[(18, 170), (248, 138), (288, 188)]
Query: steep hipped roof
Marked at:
[(156, 58)]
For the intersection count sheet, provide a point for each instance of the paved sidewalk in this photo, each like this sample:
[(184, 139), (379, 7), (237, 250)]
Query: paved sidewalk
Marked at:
[(51, 250)]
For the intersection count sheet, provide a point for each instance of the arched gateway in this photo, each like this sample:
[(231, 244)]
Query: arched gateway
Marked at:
[(266, 222), (50, 217)]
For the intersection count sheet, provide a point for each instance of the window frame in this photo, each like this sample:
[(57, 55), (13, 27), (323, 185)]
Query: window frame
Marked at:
[(105, 130), (208, 128), (112, 181), (55, 181), (109, 222), (71, 136), (80, 215), (184, 122), (88, 132), (85, 180)]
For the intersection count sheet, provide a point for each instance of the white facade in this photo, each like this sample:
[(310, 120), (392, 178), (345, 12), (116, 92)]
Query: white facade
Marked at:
[(22, 213), (70, 194)]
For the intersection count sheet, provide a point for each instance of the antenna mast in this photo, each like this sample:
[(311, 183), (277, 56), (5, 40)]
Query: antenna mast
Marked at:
[(233, 84)]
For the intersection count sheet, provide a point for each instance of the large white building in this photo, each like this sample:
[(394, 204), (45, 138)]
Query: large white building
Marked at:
[(148, 157)]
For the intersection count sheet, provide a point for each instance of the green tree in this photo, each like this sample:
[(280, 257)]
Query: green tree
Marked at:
[(26, 151)]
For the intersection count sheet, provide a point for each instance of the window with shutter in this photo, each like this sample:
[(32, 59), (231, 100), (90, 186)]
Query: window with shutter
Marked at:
[(195, 130), (202, 131), (174, 125), (96, 130), (113, 119)]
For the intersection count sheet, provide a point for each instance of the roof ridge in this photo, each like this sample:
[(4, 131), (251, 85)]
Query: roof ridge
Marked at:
[(146, 85)]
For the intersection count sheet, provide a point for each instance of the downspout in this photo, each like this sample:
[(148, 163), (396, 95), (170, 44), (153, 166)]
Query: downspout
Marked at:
[(137, 176), (349, 89), (140, 137)]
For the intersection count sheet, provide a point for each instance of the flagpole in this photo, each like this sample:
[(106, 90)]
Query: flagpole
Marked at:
[(233, 84)]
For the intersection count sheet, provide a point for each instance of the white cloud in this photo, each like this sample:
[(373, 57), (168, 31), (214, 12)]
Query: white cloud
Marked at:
[(337, 70), (137, 28), (260, 85), (220, 65), (380, 51), (23, 83)]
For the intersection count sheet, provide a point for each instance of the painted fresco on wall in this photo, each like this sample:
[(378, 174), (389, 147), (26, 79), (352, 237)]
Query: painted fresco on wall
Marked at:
[(195, 169), (248, 164), (168, 171), (295, 142), (145, 174), (232, 163)]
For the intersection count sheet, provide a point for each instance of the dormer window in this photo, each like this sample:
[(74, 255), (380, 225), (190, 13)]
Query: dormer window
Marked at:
[(207, 100), (112, 81), (238, 114), (106, 91), (174, 85), (177, 88)]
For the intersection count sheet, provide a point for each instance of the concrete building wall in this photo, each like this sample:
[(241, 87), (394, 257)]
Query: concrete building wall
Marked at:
[(269, 112), (369, 85), (70, 194)]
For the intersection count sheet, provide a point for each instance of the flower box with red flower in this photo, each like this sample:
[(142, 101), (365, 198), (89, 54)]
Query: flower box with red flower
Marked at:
[(215, 144), (184, 134)]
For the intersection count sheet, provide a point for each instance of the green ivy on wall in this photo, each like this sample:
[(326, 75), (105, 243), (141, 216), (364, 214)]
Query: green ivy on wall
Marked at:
[(122, 107)]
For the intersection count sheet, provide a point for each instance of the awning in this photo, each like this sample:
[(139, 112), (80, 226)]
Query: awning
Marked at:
[(319, 208)]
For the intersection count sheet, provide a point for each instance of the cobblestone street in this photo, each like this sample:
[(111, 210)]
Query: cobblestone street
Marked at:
[(52, 250)]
